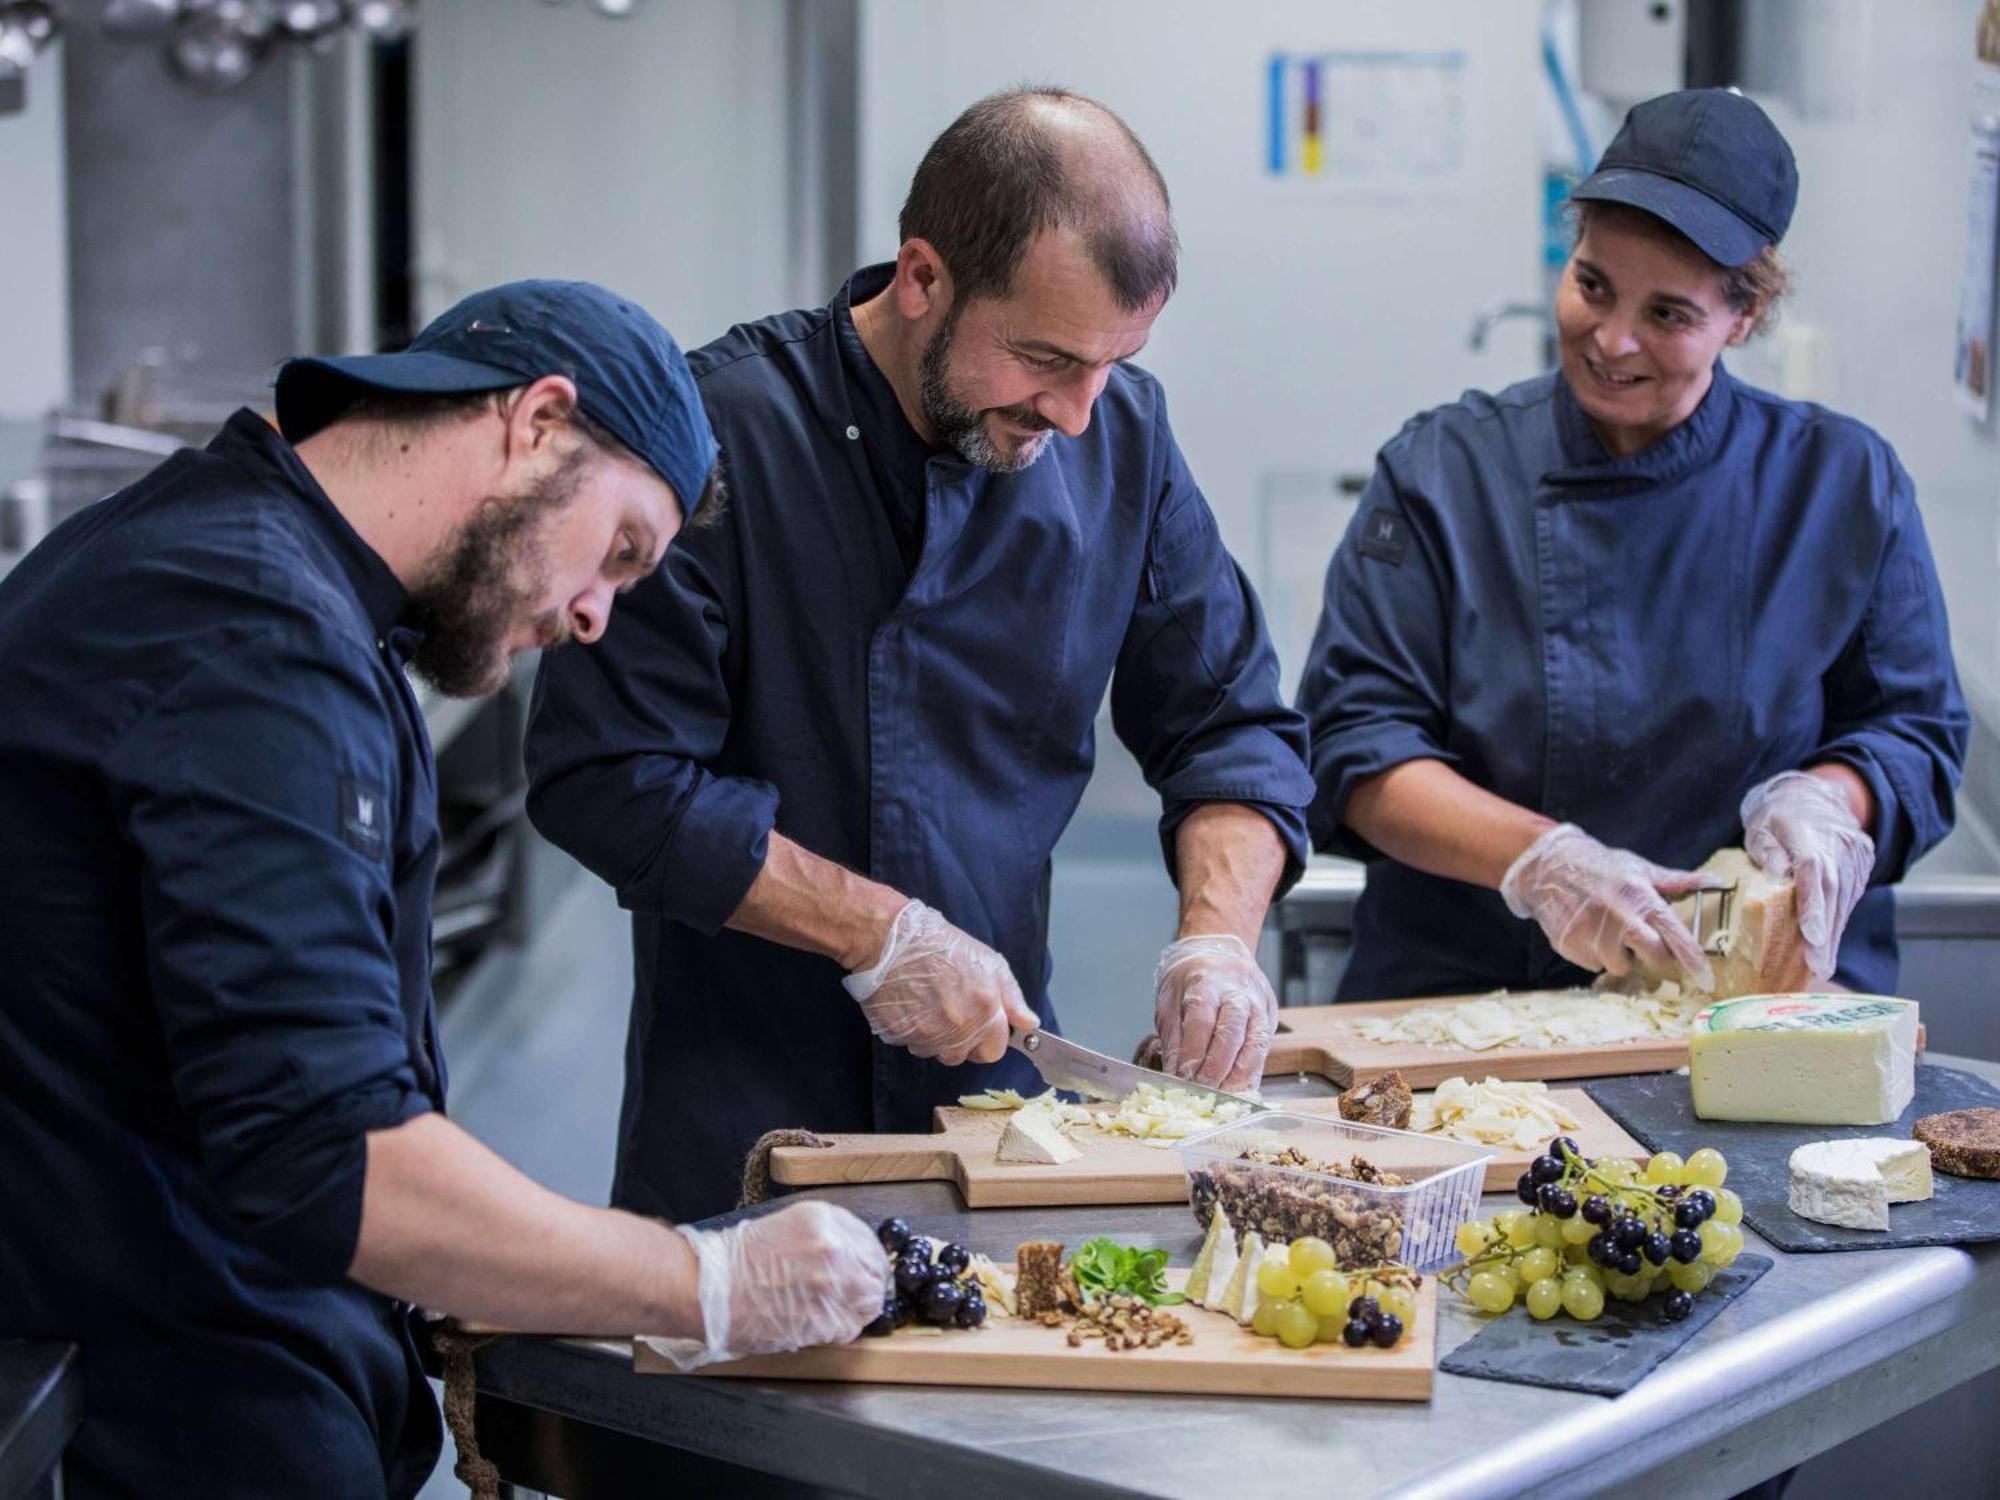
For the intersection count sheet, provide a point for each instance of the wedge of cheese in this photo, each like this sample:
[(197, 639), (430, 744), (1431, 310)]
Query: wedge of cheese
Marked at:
[(1853, 1182), (1035, 1135), (1804, 1059), (1221, 1268), (1204, 1262), (1253, 1294), (1243, 1276)]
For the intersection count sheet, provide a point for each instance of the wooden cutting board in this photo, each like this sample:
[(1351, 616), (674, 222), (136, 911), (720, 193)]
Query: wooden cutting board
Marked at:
[(1223, 1360), (1111, 1169), (1321, 1039)]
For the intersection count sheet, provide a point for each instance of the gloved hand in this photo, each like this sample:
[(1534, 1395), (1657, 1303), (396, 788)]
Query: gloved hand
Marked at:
[(1802, 827), (1604, 908), (807, 1274), (1214, 1011), (939, 991)]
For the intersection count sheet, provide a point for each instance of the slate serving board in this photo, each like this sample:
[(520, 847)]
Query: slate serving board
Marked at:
[(1658, 1110), (1605, 1357)]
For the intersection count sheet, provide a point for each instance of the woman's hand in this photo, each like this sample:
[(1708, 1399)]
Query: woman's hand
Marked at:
[(1802, 827)]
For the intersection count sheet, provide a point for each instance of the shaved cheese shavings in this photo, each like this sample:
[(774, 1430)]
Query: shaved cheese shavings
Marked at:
[(1568, 1018), (1159, 1117), (1492, 1113), (1151, 1115), (995, 1099)]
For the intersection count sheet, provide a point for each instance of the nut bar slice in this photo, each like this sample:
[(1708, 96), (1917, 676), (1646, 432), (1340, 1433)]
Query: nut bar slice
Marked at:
[(1038, 1277)]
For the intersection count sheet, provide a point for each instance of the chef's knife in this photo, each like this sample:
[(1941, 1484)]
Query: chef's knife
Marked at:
[(1065, 1065)]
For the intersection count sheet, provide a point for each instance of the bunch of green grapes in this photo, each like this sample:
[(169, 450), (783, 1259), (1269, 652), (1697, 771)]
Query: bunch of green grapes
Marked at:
[(1307, 1300), (1592, 1230)]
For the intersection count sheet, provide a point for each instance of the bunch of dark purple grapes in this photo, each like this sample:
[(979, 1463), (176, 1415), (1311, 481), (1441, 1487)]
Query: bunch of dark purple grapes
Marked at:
[(926, 1288)]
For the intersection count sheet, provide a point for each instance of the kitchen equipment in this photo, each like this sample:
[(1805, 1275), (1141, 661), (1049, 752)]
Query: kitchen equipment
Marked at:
[(1444, 1181), (1321, 1039), (1223, 1360), (1707, 916), (1112, 1169), (1064, 1064)]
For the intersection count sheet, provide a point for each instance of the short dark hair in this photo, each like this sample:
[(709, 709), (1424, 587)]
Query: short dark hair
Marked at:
[(996, 178), (415, 412)]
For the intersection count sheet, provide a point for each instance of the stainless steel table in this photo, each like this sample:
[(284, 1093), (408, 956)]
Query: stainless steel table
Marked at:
[(1825, 1346)]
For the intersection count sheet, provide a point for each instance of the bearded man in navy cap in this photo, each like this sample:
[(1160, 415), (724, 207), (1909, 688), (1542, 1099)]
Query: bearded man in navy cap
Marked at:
[(224, 1170)]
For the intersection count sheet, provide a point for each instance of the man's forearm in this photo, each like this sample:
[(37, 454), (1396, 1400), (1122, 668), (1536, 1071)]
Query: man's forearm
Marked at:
[(1427, 816), (1230, 859), (803, 901), (448, 1225)]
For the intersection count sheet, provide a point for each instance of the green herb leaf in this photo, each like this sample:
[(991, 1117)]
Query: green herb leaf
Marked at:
[(1102, 1267)]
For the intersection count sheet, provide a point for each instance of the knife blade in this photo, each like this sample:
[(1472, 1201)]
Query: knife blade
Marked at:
[(1065, 1065)]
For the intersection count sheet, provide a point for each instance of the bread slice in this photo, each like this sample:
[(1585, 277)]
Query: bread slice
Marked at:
[(1963, 1142)]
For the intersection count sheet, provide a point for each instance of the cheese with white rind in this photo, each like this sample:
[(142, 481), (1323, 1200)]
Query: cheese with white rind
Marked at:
[(1204, 1263), (1222, 1269), (1245, 1275), (1034, 1135), (1804, 1059), (1253, 1291), (1851, 1183)]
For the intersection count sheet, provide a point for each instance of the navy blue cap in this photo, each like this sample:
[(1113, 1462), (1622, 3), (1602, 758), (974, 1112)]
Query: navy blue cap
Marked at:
[(631, 377), (1708, 162)]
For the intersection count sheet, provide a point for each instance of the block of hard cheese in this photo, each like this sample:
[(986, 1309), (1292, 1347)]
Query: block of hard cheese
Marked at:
[(1804, 1059), (1762, 952)]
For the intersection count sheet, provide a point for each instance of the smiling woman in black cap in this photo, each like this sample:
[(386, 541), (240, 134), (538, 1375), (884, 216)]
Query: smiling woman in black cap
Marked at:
[(1585, 632)]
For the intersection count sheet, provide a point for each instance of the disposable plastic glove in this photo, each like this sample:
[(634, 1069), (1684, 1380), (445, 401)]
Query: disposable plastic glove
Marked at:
[(1605, 908), (939, 991), (1802, 828), (807, 1274), (1214, 1011)]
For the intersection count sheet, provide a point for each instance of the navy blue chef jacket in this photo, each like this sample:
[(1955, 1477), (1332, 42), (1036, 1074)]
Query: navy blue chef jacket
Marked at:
[(926, 722), (215, 889), (1629, 644)]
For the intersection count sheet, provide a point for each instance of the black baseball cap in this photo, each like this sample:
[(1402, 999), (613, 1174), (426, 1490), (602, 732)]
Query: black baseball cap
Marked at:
[(1708, 162), (631, 377)]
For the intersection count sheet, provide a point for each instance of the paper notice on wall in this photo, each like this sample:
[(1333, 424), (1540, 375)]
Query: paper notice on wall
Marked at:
[(1973, 370), (1369, 123)]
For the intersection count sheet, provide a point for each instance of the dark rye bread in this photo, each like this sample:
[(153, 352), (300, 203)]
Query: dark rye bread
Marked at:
[(1963, 1142), (1381, 1101)]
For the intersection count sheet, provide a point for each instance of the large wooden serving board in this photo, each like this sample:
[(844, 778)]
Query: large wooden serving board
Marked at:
[(1223, 1360), (1111, 1170), (1321, 1039)]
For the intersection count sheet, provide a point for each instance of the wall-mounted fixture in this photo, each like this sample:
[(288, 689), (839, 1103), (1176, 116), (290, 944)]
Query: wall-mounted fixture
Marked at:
[(212, 45), (27, 29)]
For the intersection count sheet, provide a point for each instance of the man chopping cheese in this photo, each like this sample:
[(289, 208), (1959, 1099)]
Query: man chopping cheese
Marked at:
[(825, 757), (224, 1170), (1585, 632)]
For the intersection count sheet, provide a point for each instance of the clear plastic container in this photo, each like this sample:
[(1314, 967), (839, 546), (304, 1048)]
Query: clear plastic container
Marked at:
[(1367, 1223)]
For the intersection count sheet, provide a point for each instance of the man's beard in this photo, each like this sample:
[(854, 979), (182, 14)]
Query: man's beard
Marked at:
[(956, 425), (476, 591)]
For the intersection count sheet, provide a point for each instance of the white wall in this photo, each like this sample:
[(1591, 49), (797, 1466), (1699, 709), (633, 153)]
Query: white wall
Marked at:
[(647, 153), (1308, 325), (1876, 99), (34, 266)]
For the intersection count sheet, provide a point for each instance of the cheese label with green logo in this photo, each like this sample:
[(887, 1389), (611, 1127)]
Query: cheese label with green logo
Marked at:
[(1804, 1059)]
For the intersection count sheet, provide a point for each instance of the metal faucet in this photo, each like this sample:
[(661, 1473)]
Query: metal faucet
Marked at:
[(1482, 326)]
